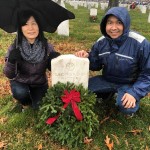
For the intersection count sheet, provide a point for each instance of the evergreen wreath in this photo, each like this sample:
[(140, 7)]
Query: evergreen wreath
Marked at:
[(66, 128), (93, 18)]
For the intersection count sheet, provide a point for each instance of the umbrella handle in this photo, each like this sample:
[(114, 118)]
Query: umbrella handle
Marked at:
[(16, 48), (16, 67), (17, 40)]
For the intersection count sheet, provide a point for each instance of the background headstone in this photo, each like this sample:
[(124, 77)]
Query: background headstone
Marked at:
[(149, 18), (69, 68), (143, 9), (63, 28), (93, 12)]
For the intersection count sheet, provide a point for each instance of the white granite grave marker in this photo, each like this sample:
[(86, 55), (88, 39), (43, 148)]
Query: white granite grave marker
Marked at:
[(143, 9), (69, 68), (93, 12), (149, 18), (63, 28)]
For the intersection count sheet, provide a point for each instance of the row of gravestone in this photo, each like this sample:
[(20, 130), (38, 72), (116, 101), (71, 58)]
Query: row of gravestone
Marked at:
[(63, 28), (102, 5)]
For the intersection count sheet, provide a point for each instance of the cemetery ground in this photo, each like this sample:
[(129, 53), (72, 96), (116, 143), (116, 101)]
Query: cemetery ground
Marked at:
[(17, 130)]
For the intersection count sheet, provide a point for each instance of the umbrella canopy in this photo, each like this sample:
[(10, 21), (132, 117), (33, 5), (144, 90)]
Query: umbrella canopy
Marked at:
[(50, 13)]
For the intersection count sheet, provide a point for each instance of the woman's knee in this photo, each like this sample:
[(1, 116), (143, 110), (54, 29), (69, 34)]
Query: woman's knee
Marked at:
[(20, 93)]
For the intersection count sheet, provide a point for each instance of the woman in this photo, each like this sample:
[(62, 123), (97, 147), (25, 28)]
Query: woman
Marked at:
[(27, 60)]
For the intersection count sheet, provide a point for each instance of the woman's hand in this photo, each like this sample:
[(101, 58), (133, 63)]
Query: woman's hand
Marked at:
[(82, 54), (51, 56), (128, 101), (14, 56)]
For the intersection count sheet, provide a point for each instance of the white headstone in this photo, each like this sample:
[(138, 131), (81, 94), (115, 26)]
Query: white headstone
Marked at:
[(143, 9), (69, 68), (93, 12), (63, 28), (96, 4), (103, 6), (149, 18), (89, 6), (75, 5), (128, 8)]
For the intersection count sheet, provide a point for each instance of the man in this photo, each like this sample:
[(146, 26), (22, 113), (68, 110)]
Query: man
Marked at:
[(124, 57)]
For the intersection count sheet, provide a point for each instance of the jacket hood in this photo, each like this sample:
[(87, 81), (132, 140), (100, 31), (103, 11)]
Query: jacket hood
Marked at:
[(122, 14)]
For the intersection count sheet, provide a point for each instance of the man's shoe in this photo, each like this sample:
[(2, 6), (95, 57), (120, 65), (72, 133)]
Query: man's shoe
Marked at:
[(130, 116)]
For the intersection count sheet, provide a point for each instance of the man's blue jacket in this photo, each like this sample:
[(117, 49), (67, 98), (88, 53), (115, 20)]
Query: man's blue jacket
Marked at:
[(124, 60)]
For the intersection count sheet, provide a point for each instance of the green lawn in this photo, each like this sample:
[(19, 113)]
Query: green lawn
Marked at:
[(18, 130)]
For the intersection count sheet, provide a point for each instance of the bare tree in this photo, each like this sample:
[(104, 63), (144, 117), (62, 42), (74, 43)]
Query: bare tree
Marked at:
[(113, 3)]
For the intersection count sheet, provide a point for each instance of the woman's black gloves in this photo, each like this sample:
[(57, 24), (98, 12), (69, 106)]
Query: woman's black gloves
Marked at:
[(14, 56), (50, 57), (53, 55)]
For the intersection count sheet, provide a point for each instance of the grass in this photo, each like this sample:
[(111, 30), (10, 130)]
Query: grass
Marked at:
[(17, 130)]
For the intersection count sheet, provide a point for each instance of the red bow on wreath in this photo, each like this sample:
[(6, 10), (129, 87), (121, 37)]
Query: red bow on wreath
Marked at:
[(73, 97)]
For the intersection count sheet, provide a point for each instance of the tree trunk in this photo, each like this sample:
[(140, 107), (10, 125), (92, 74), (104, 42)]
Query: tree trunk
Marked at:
[(113, 3)]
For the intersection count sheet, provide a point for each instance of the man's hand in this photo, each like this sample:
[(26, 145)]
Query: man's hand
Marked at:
[(82, 53), (128, 101)]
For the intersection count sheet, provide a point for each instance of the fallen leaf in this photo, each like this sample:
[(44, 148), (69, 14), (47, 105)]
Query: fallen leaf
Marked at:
[(87, 141), (116, 121), (96, 148), (4, 87), (105, 119), (149, 128), (146, 148), (3, 144), (126, 142), (109, 144), (116, 138), (40, 147), (3, 120), (19, 136), (135, 132)]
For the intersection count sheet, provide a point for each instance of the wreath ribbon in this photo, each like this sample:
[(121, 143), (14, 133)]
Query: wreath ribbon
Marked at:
[(73, 97)]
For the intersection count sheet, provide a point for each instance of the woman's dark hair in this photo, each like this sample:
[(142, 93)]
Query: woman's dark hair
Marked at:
[(23, 16)]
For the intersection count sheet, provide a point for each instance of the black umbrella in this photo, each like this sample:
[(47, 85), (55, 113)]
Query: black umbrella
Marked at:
[(50, 13)]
